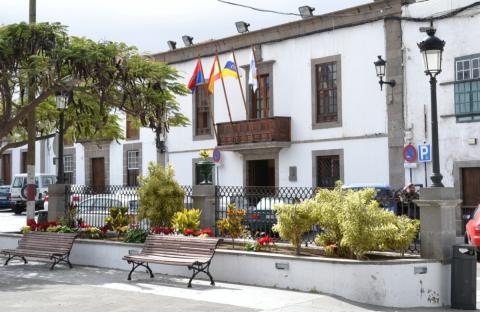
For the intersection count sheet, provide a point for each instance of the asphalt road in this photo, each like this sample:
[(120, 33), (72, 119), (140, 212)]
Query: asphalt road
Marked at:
[(9, 222)]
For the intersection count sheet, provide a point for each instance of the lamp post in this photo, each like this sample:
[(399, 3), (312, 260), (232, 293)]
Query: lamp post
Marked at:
[(432, 49), (380, 65), (61, 99)]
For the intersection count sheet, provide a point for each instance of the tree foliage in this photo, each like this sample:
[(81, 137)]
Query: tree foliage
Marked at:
[(160, 196), (294, 220), (354, 223), (102, 79)]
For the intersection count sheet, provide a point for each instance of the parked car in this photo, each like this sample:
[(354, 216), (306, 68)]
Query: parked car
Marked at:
[(262, 217), (385, 195), (472, 230), (19, 194), (96, 208), (5, 202)]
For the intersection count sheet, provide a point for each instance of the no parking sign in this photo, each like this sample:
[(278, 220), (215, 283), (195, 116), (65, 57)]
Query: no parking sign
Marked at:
[(410, 153)]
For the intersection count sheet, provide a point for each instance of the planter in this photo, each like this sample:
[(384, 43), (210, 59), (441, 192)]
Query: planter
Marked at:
[(205, 172), (401, 283)]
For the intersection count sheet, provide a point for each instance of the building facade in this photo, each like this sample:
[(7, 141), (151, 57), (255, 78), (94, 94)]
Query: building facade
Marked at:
[(318, 114)]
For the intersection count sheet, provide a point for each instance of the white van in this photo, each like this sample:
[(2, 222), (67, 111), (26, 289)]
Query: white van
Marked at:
[(18, 190)]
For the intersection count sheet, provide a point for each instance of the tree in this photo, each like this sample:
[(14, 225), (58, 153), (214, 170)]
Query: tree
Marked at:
[(101, 77), (160, 196)]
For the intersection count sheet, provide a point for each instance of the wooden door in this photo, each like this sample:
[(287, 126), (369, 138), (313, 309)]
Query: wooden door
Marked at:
[(471, 187), (6, 168), (98, 174)]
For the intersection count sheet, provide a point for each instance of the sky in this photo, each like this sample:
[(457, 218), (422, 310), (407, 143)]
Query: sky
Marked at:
[(149, 24)]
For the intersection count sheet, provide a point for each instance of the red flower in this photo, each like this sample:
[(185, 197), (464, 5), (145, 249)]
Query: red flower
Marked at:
[(32, 224), (188, 232), (162, 230), (266, 240), (207, 231), (254, 216)]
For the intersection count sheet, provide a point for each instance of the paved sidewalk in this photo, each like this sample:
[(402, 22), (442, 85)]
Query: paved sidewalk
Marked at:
[(33, 287)]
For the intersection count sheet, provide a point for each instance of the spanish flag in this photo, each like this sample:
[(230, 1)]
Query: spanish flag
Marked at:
[(230, 68), (215, 74)]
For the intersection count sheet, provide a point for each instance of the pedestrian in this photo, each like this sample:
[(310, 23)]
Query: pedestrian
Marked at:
[(408, 195)]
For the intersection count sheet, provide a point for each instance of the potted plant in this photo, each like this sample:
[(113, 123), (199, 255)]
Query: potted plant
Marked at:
[(205, 166)]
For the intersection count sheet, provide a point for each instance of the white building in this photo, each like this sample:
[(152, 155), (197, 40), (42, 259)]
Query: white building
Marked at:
[(458, 93), (358, 137), (329, 117)]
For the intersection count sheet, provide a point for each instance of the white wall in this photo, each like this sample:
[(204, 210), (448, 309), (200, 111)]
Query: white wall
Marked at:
[(393, 283), (363, 107), (461, 35)]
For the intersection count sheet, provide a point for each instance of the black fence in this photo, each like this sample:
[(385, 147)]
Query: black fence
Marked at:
[(258, 203), (92, 206)]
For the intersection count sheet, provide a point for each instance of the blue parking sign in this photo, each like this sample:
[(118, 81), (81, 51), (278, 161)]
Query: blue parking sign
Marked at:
[(424, 153)]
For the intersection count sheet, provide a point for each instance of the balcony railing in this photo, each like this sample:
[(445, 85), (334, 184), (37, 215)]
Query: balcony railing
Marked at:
[(273, 129)]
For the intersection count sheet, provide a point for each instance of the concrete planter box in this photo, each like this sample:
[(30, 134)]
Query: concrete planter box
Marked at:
[(392, 283)]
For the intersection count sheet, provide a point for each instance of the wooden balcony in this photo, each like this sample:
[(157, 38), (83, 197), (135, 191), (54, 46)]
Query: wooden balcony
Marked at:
[(272, 129)]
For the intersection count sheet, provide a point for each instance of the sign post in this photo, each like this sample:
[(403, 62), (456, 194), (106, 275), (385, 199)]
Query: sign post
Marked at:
[(425, 155), (410, 156)]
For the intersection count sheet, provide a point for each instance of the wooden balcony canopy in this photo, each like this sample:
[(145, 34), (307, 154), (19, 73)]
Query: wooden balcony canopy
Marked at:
[(272, 129)]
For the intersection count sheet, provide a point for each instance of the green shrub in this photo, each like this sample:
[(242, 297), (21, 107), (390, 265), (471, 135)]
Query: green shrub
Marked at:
[(136, 236), (118, 220), (354, 223), (293, 220), (186, 219), (160, 196), (232, 225)]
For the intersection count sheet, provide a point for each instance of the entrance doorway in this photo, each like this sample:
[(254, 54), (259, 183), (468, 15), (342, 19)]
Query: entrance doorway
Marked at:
[(98, 174), (261, 172), (471, 188)]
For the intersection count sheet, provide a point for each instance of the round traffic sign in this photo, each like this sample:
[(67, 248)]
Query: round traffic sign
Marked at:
[(216, 155), (410, 153)]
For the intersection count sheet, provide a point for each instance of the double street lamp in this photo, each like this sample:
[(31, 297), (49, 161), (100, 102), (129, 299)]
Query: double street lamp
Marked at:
[(61, 100), (432, 49)]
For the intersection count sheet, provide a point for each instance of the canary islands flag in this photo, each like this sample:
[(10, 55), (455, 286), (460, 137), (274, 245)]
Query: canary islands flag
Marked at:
[(197, 77), (230, 68), (215, 74)]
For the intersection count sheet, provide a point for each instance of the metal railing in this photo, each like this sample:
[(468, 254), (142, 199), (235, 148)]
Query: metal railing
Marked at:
[(92, 205), (258, 203)]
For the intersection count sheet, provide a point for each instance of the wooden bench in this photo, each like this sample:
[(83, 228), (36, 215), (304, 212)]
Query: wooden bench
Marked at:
[(192, 252), (54, 246)]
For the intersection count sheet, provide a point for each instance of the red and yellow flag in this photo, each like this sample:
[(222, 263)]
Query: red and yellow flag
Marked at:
[(215, 74)]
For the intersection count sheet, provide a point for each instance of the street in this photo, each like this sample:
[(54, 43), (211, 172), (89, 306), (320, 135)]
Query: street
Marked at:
[(9, 222)]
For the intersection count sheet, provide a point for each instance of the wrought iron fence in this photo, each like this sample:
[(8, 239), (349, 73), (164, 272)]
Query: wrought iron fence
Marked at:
[(258, 202), (92, 205)]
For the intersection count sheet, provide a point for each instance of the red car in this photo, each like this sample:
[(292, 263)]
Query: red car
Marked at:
[(472, 229)]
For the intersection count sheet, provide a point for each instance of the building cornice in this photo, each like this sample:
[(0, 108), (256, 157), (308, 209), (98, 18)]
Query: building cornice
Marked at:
[(355, 16)]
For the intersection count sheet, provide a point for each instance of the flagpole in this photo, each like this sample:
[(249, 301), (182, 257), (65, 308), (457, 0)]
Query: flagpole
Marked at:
[(243, 96), (210, 110), (224, 90), (265, 107)]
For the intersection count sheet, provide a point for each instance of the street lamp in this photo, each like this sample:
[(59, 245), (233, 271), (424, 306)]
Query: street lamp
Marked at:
[(61, 100), (380, 69), (306, 11), (242, 27), (432, 49), (187, 40)]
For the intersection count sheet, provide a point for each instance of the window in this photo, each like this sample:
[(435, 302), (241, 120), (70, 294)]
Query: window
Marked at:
[(467, 88), (133, 132), (326, 92), (133, 166), (260, 103), (68, 168), (328, 170), (202, 103), (261, 98)]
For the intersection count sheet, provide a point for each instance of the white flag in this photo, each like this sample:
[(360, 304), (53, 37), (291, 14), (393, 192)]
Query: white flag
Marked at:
[(252, 74)]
